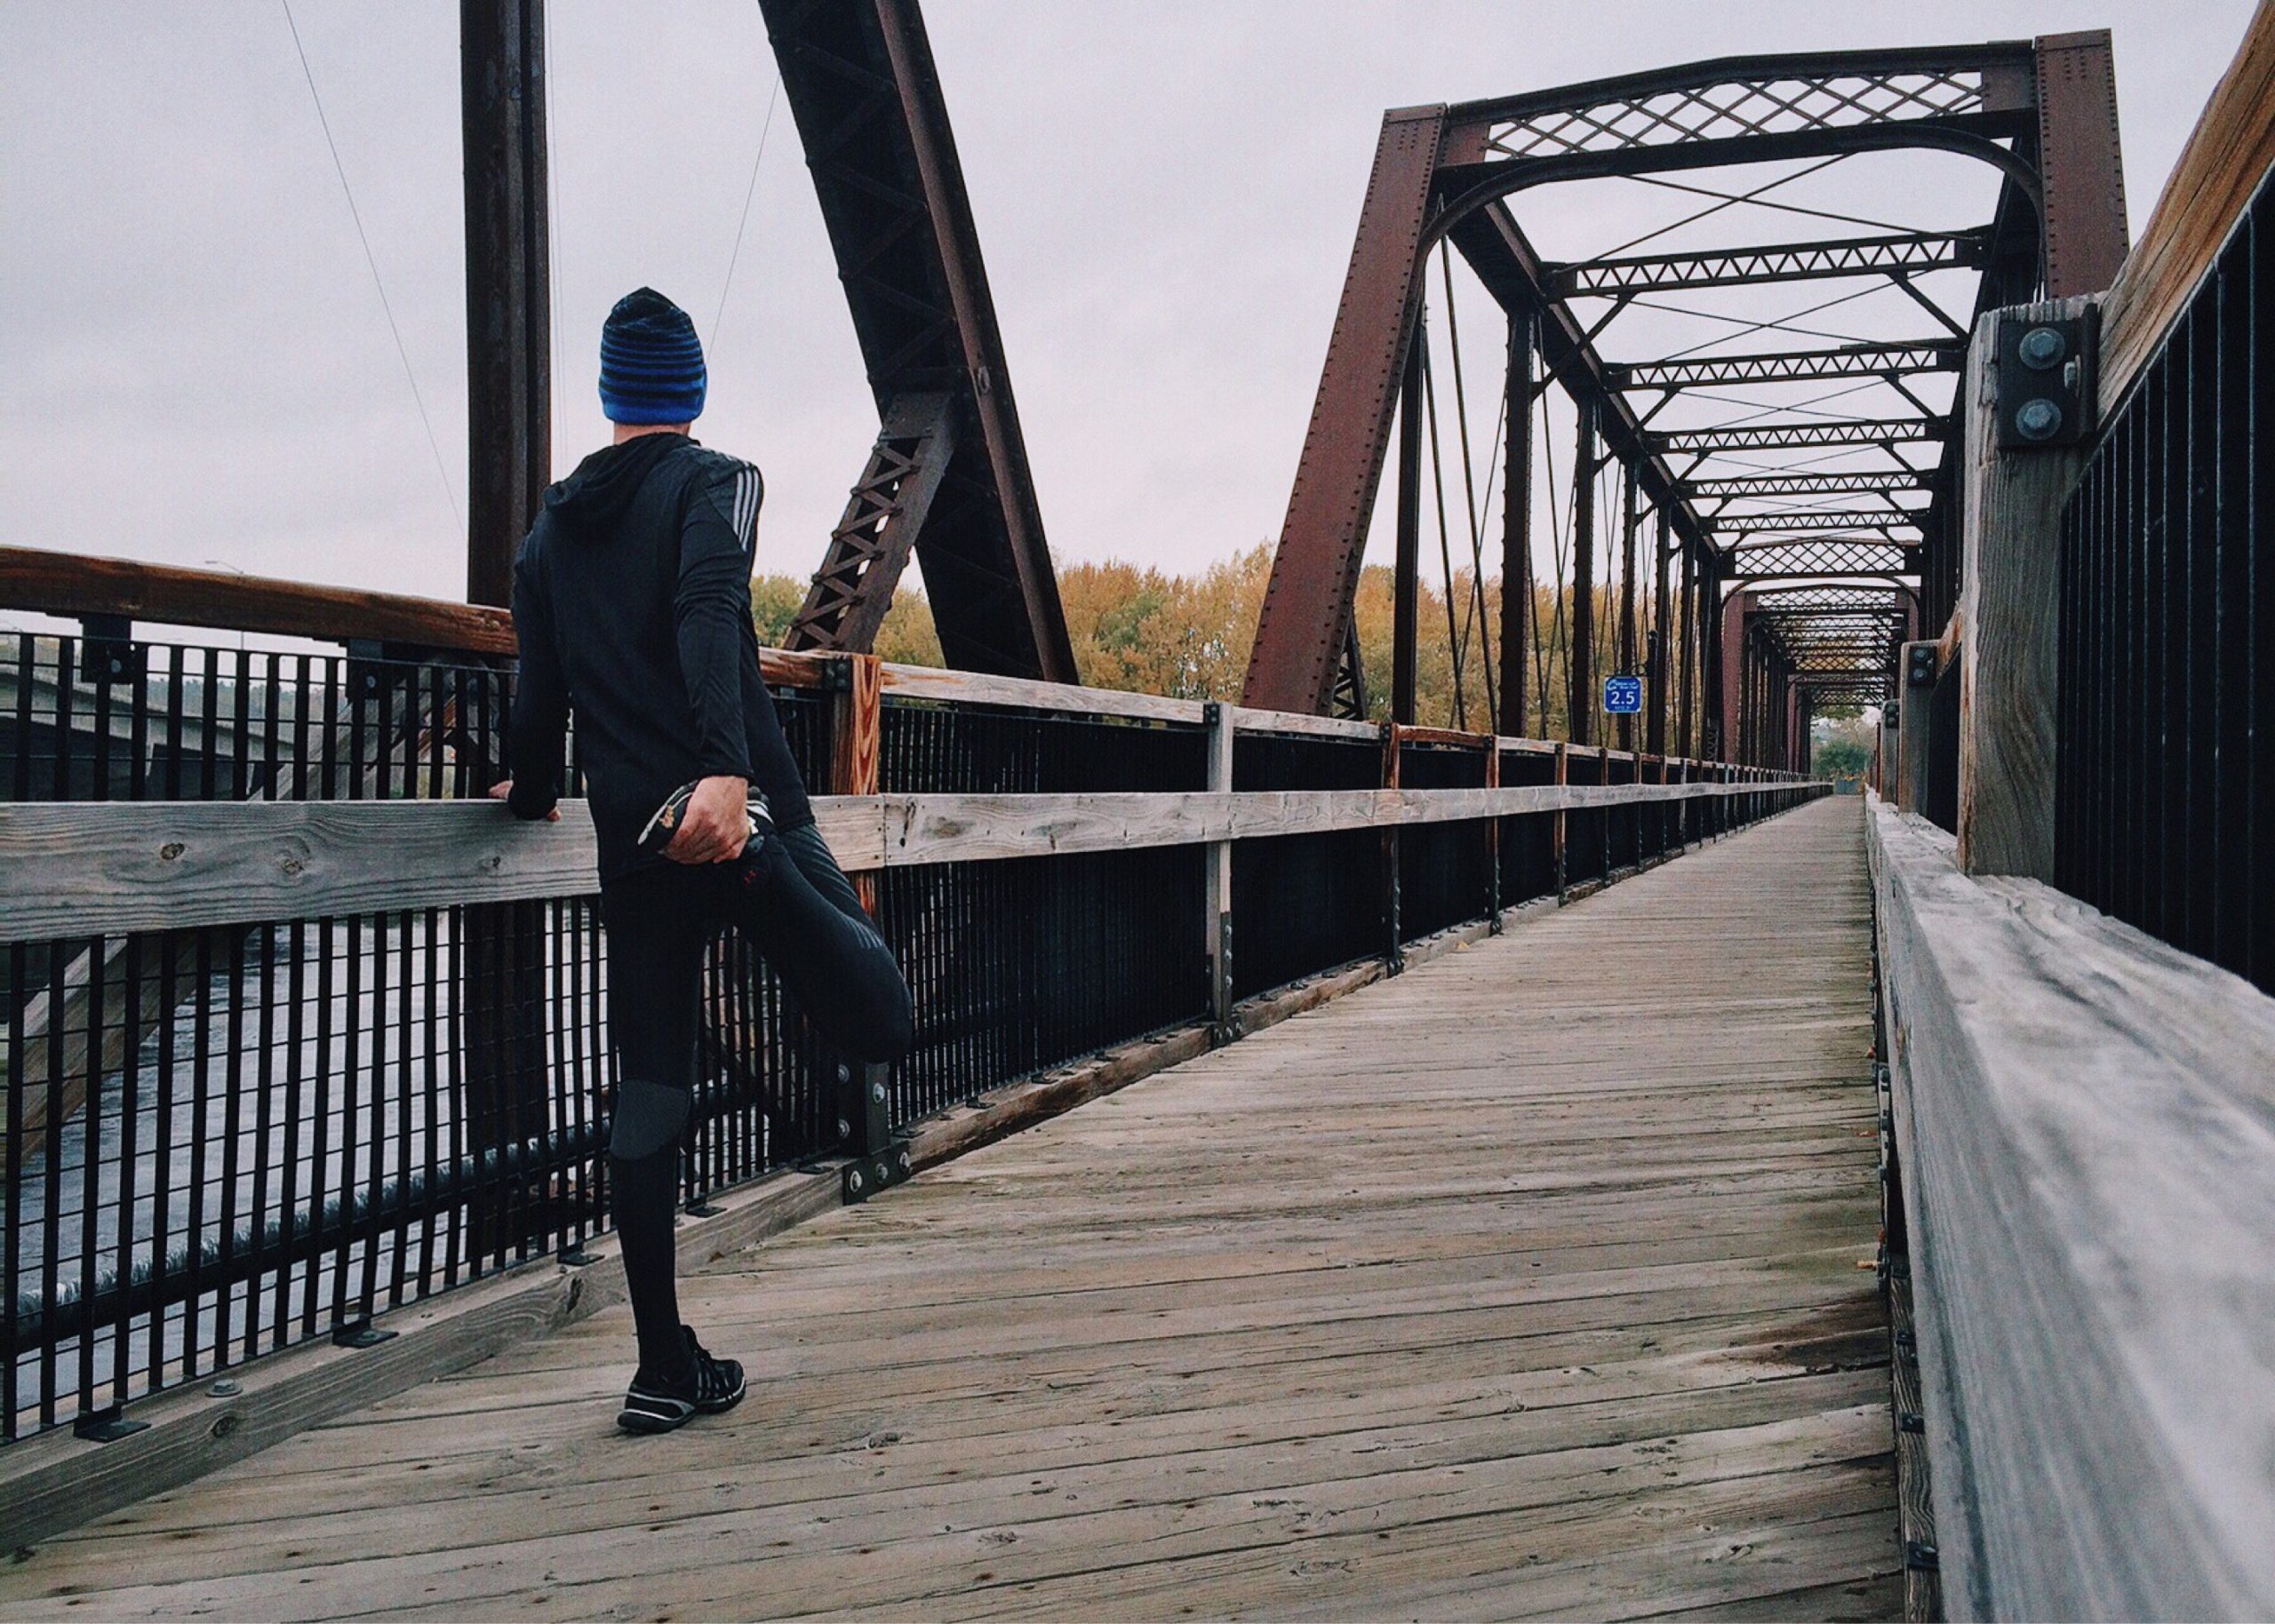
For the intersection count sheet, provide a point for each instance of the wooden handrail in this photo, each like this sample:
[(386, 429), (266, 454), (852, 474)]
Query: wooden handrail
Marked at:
[(71, 585), (2229, 153), (2087, 1184), (80, 869)]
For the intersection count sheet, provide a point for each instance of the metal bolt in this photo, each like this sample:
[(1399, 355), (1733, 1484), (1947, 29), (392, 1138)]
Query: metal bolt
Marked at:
[(225, 1388), (844, 1074), (2038, 419), (2042, 348), (853, 1179), (877, 1092), (844, 1128)]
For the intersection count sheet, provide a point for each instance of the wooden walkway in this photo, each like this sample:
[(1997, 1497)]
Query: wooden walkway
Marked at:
[(1533, 1282)]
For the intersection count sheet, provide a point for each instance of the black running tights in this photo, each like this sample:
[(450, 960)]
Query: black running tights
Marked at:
[(789, 900)]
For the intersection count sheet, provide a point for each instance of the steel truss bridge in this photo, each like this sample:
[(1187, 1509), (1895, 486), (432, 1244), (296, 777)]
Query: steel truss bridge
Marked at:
[(1686, 1190)]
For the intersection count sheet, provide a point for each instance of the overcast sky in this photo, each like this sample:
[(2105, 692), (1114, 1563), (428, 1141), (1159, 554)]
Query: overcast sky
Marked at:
[(198, 368)]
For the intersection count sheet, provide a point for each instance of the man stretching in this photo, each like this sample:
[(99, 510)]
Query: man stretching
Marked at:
[(632, 604)]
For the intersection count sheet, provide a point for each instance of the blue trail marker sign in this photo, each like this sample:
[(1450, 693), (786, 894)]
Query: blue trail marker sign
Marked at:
[(1622, 696)]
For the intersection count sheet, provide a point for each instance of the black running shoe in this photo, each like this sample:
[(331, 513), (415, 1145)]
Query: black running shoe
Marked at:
[(711, 1387), (668, 817)]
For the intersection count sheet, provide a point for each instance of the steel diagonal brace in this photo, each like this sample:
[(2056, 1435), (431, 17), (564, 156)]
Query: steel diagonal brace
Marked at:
[(871, 545)]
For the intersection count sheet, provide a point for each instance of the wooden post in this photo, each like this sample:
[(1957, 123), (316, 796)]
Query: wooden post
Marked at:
[(1665, 812), (1216, 879), (856, 757), (1394, 952), (1603, 817), (2009, 617), (1563, 777), (1493, 842), (857, 742)]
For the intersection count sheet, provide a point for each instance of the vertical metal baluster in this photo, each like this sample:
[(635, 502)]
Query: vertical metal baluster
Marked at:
[(91, 1206), (2259, 479), (257, 1210), (173, 777), (170, 945), (356, 1188), (20, 775), (405, 1072), (322, 1188), (12, 1284), (201, 1061), (290, 1236), (384, 1232), (464, 1189), (98, 787), (232, 1127), (208, 700)]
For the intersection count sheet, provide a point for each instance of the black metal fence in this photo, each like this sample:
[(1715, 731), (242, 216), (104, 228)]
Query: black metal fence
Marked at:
[(219, 1142), (2165, 756)]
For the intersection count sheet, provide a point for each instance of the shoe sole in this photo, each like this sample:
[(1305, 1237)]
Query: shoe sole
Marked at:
[(648, 1425)]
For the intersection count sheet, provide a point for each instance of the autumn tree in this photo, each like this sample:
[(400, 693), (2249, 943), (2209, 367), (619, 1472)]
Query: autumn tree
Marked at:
[(1142, 630)]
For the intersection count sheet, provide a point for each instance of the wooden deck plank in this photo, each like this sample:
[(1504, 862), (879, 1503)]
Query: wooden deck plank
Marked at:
[(1525, 1283)]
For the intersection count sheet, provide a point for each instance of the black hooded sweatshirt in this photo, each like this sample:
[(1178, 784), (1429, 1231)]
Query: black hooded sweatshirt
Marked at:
[(631, 605)]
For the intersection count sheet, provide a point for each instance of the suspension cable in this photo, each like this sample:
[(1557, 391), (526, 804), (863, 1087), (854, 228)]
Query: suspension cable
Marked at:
[(1473, 599), (1445, 544), (401, 353), (749, 192)]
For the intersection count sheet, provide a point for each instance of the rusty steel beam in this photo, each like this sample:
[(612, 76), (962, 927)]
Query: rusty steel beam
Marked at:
[(1787, 436), (1406, 590), (1516, 523), (1299, 633), (1991, 103), (1868, 482), (1581, 654), (861, 84), (1497, 252), (1897, 359), (1819, 558), (1794, 523), (1984, 86), (2083, 221), (872, 543), (508, 314), (1908, 255)]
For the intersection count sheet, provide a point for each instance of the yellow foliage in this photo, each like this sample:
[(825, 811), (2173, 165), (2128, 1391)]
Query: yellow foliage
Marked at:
[(1139, 629)]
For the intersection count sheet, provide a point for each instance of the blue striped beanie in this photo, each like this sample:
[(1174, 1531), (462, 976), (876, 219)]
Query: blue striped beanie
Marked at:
[(651, 365)]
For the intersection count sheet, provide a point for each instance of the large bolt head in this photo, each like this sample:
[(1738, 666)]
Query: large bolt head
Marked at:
[(2038, 419), (2042, 348)]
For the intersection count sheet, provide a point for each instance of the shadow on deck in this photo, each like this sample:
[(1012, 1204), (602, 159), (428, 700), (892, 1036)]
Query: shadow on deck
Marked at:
[(1534, 1281)]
